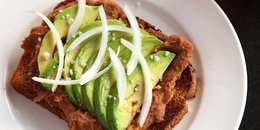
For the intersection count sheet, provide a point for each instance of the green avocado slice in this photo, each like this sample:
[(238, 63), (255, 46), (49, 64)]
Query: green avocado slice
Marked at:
[(81, 57), (104, 82), (78, 65), (99, 93), (87, 89), (120, 116)]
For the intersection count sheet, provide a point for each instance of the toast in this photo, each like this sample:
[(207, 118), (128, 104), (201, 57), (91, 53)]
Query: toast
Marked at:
[(178, 84)]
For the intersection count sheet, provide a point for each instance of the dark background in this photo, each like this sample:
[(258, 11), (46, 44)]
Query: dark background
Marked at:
[(245, 17)]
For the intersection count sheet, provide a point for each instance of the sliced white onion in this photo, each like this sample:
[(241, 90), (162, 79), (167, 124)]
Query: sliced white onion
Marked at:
[(95, 31), (119, 28), (147, 79), (59, 82), (137, 40), (102, 50), (59, 46), (78, 19), (120, 74), (69, 82)]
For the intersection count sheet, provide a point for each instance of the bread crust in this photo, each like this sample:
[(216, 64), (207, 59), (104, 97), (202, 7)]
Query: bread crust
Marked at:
[(179, 82)]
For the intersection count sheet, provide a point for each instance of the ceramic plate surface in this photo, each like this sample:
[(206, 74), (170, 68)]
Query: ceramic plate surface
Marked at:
[(218, 59)]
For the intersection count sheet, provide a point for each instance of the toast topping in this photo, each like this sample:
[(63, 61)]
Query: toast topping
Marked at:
[(137, 40), (75, 24), (103, 46), (120, 74), (46, 55), (86, 53), (59, 46)]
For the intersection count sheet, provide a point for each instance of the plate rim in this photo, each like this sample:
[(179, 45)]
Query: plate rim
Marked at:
[(243, 105), (242, 56)]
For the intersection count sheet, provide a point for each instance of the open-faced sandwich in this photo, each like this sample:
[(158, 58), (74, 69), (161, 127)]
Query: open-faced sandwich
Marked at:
[(97, 66)]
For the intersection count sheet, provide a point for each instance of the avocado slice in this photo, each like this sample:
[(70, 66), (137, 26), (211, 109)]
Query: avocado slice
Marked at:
[(148, 44), (76, 68), (82, 56), (87, 89), (104, 82), (120, 116), (61, 20)]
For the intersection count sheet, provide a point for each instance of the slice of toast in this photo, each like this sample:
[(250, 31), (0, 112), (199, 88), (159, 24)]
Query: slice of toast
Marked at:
[(178, 84)]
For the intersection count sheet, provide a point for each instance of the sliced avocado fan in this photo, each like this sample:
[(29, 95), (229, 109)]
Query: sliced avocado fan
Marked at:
[(100, 97)]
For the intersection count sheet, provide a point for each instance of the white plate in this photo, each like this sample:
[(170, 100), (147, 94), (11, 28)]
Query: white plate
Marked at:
[(218, 59)]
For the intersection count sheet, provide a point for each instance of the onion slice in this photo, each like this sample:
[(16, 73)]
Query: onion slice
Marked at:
[(59, 82), (59, 46), (120, 74), (69, 82), (137, 40), (78, 19), (95, 31), (102, 50), (147, 78)]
